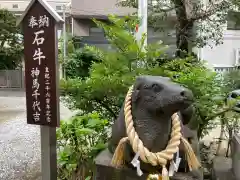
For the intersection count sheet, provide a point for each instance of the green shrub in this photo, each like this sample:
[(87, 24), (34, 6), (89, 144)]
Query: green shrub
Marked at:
[(206, 89), (105, 88), (79, 140), (80, 61)]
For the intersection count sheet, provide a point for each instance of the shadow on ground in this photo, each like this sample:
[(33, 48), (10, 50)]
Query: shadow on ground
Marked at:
[(8, 114)]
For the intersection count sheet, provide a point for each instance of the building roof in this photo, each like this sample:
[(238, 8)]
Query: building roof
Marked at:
[(45, 4)]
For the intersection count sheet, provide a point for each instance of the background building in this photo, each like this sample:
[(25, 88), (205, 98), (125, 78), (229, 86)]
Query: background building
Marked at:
[(79, 23), (85, 30), (225, 56), (17, 7)]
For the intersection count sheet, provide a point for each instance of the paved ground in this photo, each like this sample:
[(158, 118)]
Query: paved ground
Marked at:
[(19, 142)]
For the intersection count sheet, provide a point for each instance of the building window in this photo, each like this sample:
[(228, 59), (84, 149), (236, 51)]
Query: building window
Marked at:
[(95, 31), (15, 6), (58, 8), (233, 22)]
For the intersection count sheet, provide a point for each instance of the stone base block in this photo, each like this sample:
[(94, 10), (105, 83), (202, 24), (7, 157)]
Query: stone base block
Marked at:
[(222, 169), (104, 171), (235, 148)]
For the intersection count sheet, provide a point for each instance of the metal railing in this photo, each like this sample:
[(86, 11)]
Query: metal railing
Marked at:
[(11, 78), (223, 69)]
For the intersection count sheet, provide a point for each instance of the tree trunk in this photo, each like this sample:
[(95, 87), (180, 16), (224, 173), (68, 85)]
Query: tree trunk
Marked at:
[(230, 134), (183, 30), (221, 137)]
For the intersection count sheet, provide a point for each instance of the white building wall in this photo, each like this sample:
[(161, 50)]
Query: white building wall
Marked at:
[(223, 55), (14, 5), (19, 6)]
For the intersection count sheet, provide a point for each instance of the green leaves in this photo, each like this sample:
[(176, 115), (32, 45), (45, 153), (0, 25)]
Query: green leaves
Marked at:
[(11, 49), (88, 178), (207, 92), (105, 87), (84, 131), (79, 140), (80, 61)]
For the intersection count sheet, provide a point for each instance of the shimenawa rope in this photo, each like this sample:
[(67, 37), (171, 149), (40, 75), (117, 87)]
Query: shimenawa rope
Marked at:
[(155, 159)]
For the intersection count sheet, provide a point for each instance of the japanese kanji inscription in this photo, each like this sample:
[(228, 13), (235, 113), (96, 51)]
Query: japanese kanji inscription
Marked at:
[(41, 67)]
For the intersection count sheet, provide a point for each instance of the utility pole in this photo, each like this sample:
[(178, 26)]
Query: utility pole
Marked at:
[(143, 16), (142, 28), (64, 40)]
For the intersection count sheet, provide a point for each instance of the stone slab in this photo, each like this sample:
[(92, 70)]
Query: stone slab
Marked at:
[(104, 171), (222, 169), (235, 151)]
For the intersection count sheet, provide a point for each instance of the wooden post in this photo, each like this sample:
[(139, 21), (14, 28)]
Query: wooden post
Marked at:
[(39, 24), (48, 151)]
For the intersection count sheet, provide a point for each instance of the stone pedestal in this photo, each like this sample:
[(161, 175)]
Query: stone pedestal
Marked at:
[(104, 171), (235, 151), (222, 169)]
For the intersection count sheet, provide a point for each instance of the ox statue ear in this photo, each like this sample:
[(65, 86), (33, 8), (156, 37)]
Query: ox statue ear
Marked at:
[(136, 88), (135, 95)]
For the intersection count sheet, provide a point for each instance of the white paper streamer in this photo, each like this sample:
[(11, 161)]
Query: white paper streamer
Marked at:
[(174, 165), (136, 163)]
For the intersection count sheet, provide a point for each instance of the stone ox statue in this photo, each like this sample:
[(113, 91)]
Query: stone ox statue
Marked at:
[(152, 133)]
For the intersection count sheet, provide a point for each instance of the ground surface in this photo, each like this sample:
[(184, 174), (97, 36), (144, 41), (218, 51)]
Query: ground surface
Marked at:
[(19, 142)]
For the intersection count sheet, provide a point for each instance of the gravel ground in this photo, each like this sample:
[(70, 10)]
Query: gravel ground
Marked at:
[(19, 142)]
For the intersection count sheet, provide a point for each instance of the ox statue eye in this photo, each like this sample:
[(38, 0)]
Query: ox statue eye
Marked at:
[(156, 87)]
